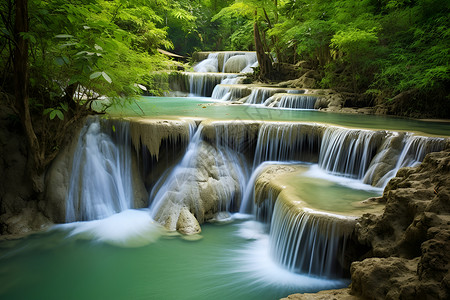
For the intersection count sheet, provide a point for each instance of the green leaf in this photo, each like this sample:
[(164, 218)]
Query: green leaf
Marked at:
[(64, 106), (107, 78), (95, 75), (59, 114), (52, 114), (47, 110)]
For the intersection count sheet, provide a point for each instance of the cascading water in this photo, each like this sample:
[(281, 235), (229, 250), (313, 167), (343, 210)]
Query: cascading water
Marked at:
[(211, 64), (213, 177), (348, 152), (291, 101), (389, 160), (260, 95), (203, 84), (229, 92), (308, 242), (100, 183), (287, 141)]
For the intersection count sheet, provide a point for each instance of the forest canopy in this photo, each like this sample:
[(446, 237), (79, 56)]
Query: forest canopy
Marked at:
[(58, 56)]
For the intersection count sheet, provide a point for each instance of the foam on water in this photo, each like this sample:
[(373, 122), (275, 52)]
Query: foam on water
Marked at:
[(130, 228), (316, 172), (256, 263)]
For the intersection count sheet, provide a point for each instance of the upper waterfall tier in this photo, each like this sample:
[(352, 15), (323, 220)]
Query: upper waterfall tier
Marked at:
[(372, 156), (225, 61)]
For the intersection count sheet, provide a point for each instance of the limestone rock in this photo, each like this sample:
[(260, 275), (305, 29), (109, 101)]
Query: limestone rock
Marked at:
[(411, 239), (187, 223), (384, 278), (341, 294), (203, 187)]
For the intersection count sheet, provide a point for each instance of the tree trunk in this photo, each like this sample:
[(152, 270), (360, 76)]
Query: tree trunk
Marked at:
[(35, 156), (265, 65)]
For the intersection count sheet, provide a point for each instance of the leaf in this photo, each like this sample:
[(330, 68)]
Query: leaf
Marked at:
[(59, 114), (52, 114), (64, 106), (97, 47), (47, 110), (107, 78), (95, 75), (63, 36)]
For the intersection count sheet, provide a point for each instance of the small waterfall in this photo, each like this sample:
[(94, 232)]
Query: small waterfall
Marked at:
[(248, 200), (260, 95), (203, 84), (230, 92), (414, 149), (211, 64), (288, 141), (249, 60), (100, 183), (348, 152), (305, 241), (292, 101)]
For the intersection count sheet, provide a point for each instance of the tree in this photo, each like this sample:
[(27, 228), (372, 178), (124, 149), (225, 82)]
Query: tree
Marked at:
[(66, 55)]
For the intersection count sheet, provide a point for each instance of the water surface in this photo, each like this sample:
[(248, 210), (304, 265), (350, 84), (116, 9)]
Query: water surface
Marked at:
[(231, 261), (196, 107)]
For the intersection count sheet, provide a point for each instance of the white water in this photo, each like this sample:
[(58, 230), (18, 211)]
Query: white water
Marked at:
[(100, 182), (211, 64), (260, 95), (286, 141), (294, 101), (300, 242), (129, 228), (257, 263), (348, 152), (306, 243)]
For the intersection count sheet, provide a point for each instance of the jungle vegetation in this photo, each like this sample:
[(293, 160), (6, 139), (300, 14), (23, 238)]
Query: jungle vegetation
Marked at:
[(58, 56)]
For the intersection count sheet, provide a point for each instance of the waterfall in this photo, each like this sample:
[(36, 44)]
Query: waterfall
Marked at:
[(348, 152), (412, 152), (260, 95), (211, 64), (248, 200), (100, 183), (230, 92), (249, 60), (203, 84), (291, 101), (305, 241), (287, 141)]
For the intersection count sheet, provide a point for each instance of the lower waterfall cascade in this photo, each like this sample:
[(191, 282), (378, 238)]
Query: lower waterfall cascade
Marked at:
[(220, 171)]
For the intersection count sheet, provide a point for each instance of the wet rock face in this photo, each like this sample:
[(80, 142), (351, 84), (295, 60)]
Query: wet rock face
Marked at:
[(410, 242), (200, 191)]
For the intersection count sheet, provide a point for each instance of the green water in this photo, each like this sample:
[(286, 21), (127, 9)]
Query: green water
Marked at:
[(169, 107), (222, 265), (333, 194)]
